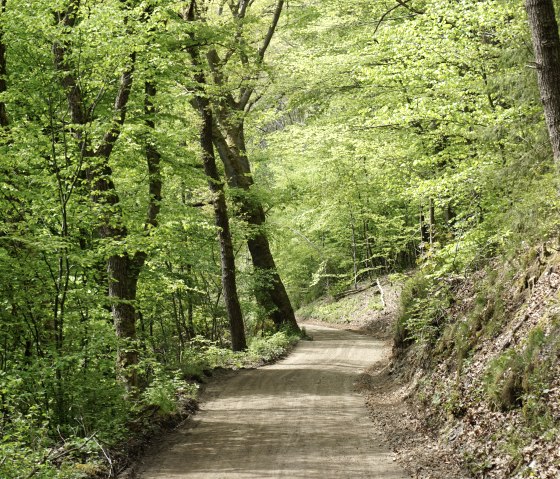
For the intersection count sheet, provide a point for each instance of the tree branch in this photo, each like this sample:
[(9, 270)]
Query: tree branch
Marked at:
[(271, 29), (245, 94), (121, 101)]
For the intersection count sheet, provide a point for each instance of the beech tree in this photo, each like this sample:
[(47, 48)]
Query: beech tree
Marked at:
[(123, 267), (216, 186), (546, 45), (239, 64)]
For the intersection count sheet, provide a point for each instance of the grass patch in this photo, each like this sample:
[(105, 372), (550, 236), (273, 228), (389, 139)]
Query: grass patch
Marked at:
[(522, 378)]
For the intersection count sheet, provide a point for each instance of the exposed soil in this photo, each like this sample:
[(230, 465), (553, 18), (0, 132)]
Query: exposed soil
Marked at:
[(417, 450), (307, 415), (301, 417), (502, 425)]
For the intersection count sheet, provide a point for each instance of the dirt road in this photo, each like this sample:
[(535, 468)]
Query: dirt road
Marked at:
[(299, 418)]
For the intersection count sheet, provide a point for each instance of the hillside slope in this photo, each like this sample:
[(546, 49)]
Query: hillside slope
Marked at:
[(482, 353)]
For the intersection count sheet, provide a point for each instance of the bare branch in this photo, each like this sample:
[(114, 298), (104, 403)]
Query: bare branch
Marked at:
[(404, 3), (121, 101)]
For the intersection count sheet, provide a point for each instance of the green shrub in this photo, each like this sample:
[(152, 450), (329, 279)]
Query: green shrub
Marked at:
[(269, 348), (164, 392), (422, 310)]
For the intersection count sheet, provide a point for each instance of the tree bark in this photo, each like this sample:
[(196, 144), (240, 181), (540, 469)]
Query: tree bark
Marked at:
[(153, 159), (271, 293), (432, 210), (354, 251), (216, 185), (546, 43)]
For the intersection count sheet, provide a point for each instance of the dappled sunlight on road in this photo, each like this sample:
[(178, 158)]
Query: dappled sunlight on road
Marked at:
[(299, 418)]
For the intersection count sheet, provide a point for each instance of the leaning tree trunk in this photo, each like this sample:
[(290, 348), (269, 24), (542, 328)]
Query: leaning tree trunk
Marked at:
[(216, 185), (222, 222), (271, 293), (546, 43), (122, 279)]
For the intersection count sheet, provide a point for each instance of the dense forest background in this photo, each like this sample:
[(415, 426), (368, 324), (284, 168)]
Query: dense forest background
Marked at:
[(176, 178)]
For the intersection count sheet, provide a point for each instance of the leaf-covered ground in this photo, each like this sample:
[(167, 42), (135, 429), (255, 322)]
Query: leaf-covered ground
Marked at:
[(488, 387)]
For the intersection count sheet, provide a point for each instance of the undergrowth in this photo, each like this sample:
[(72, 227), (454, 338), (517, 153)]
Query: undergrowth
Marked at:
[(343, 310), (28, 449)]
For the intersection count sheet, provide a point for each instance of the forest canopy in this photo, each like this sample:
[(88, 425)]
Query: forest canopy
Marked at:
[(177, 177)]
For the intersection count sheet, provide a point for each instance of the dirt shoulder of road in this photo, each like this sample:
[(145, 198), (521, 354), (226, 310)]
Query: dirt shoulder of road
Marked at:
[(393, 412)]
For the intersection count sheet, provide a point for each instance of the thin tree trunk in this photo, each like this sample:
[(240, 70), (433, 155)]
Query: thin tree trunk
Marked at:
[(354, 252), (190, 313), (546, 43), (432, 210), (238, 341), (369, 252), (3, 71), (153, 159)]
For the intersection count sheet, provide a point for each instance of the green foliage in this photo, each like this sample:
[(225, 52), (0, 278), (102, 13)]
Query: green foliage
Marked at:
[(384, 130), (355, 141), (270, 348), (522, 378), (164, 392), (424, 301)]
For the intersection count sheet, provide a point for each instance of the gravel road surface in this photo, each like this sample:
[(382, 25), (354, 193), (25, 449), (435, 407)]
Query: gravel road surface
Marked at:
[(298, 418)]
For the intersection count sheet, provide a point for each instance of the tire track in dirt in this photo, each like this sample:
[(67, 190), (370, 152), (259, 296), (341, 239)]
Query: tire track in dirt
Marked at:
[(298, 418)]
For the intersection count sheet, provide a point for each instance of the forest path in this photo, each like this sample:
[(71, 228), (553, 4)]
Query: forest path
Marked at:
[(298, 418)]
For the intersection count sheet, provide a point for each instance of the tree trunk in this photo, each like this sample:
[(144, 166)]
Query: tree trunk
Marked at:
[(3, 70), (216, 185), (238, 341), (546, 43), (271, 293), (153, 159), (432, 209), (123, 279), (354, 252), (123, 270)]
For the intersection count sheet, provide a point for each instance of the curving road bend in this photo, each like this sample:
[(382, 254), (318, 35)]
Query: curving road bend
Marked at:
[(299, 418)]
